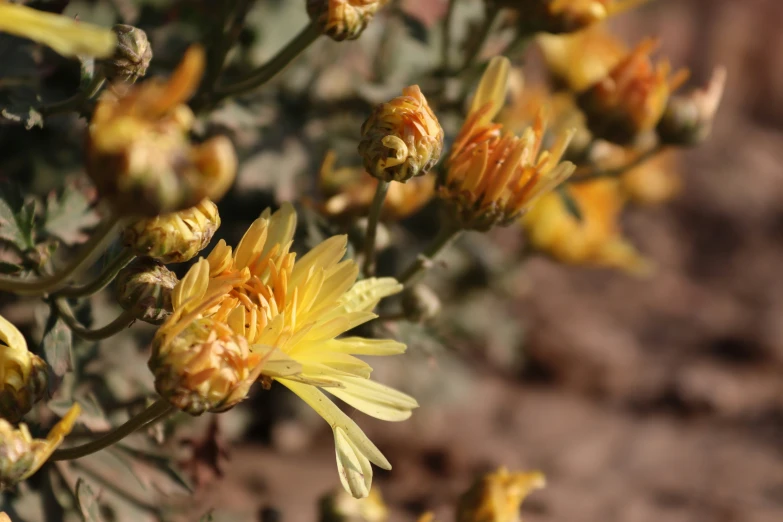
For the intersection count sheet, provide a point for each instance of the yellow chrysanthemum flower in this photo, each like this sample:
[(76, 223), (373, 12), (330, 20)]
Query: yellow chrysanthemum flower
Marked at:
[(21, 455), (290, 315), (65, 35), (493, 175), (23, 375), (595, 239), (496, 497)]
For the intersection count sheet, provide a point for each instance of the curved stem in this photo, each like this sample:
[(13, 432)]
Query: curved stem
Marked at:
[(372, 227), (155, 412), (99, 283), (88, 255), (445, 237), (270, 69), (592, 174), (124, 320)]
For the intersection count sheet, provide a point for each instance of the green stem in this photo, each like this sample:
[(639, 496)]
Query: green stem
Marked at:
[(474, 50), (123, 321), (99, 283), (445, 237), (372, 227), (270, 69), (155, 412), (87, 256), (224, 36), (616, 172)]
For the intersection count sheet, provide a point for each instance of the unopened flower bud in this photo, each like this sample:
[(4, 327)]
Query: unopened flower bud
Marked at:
[(496, 497), (132, 56), (340, 506), (563, 16), (688, 118), (343, 19), (139, 153), (631, 98), (21, 455), (175, 237), (145, 286), (23, 375), (420, 303), (203, 367), (402, 138)]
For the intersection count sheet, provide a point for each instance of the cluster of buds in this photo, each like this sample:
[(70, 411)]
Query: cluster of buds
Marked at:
[(496, 497), (401, 138), (202, 366), (343, 19), (23, 375), (630, 100), (131, 58), (21, 455), (139, 154), (493, 176), (175, 237), (145, 287)]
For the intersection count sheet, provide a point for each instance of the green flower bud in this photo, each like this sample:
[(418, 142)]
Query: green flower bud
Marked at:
[(131, 57), (144, 287), (175, 237)]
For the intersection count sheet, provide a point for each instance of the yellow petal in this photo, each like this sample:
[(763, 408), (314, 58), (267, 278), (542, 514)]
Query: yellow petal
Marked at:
[(276, 363), (367, 293), (354, 468), (63, 34), (55, 438), (492, 88), (375, 399), (193, 286), (252, 243), (362, 346), (282, 226)]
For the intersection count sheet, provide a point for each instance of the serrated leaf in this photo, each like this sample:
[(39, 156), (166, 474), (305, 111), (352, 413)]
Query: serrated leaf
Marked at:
[(88, 502), (571, 205), (68, 214), (17, 218), (56, 345)]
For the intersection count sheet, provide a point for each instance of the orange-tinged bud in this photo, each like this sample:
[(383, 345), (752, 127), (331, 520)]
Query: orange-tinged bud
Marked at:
[(496, 497), (343, 19), (631, 98), (175, 237), (402, 138), (145, 286), (139, 154), (23, 375), (205, 367)]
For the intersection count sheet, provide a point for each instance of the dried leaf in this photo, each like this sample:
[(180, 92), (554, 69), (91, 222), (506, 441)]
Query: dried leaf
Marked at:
[(68, 214), (56, 345), (88, 502)]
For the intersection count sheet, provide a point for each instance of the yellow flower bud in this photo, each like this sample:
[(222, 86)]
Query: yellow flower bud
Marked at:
[(145, 287), (203, 366), (343, 19), (564, 16), (65, 35), (139, 154), (631, 98), (21, 455), (340, 506), (23, 375), (496, 497), (687, 120), (132, 56), (402, 138), (175, 237), (492, 175)]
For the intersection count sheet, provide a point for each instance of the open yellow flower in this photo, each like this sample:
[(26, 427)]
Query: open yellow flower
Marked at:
[(21, 455), (65, 35), (493, 175), (23, 375), (291, 315), (596, 239), (496, 497)]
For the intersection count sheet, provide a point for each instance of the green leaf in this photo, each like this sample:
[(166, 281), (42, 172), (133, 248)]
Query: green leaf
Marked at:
[(10, 268), (88, 502), (56, 345), (571, 205), (17, 218), (68, 214)]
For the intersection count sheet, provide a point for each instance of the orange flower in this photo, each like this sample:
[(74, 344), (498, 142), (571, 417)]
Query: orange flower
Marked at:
[(631, 98), (493, 176)]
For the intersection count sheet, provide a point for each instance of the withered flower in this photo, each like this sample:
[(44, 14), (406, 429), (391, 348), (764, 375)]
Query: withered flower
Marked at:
[(631, 98), (343, 19), (402, 138), (139, 154)]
